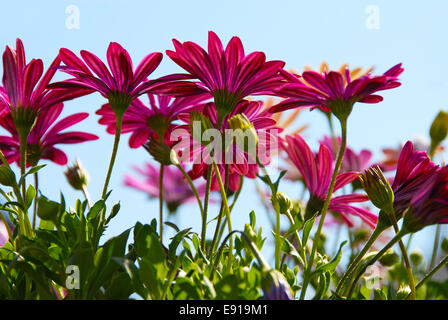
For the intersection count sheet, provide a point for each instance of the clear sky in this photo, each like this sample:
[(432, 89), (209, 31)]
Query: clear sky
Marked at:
[(297, 32)]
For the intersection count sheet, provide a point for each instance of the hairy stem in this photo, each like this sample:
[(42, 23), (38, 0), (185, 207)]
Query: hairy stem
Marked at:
[(36, 187), (206, 200), (394, 240), (161, 200), (119, 122), (227, 212), (352, 267), (325, 208)]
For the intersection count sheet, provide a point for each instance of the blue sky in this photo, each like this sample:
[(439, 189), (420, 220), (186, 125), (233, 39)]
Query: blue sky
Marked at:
[(298, 32)]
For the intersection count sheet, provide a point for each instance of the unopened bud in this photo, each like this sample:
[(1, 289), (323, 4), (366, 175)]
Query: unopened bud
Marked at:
[(439, 129), (241, 128), (389, 259), (285, 204), (77, 175), (161, 152), (378, 188), (403, 292), (275, 286), (416, 257)]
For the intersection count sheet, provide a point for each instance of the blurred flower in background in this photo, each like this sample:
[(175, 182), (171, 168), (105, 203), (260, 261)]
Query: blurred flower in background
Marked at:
[(176, 190)]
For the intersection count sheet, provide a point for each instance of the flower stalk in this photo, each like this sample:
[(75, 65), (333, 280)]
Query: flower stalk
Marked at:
[(307, 275)]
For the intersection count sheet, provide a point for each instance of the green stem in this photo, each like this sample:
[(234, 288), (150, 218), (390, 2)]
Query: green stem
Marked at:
[(36, 187), (226, 187), (325, 208), (206, 200), (193, 188), (227, 212), (237, 194), (352, 267), (85, 191), (299, 241), (276, 206), (119, 122), (435, 247), (404, 253), (394, 240), (24, 219), (215, 235), (431, 273), (161, 200)]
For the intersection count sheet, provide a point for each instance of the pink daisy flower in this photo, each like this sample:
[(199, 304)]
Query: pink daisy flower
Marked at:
[(152, 120), (316, 170), (25, 91), (229, 75), (430, 206), (334, 91), (414, 177), (121, 85), (176, 190), (44, 136)]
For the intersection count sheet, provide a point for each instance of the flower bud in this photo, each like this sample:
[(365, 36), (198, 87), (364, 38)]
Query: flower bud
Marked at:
[(161, 152), (241, 128), (275, 286), (378, 189), (77, 175), (389, 258), (7, 176), (439, 129), (403, 292), (285, 204), (416, 257)]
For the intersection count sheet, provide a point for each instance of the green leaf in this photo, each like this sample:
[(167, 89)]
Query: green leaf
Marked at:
[(307, 229), (30, 195), (132, 272), (113, 212), (46, 225), (227, 288), (288, 248), (176, 240), (95, 210), (105, 266), (331, 266), (252, 219), (185, 289), (147, 244), (47, 209), (172, 225), (31, 171)]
